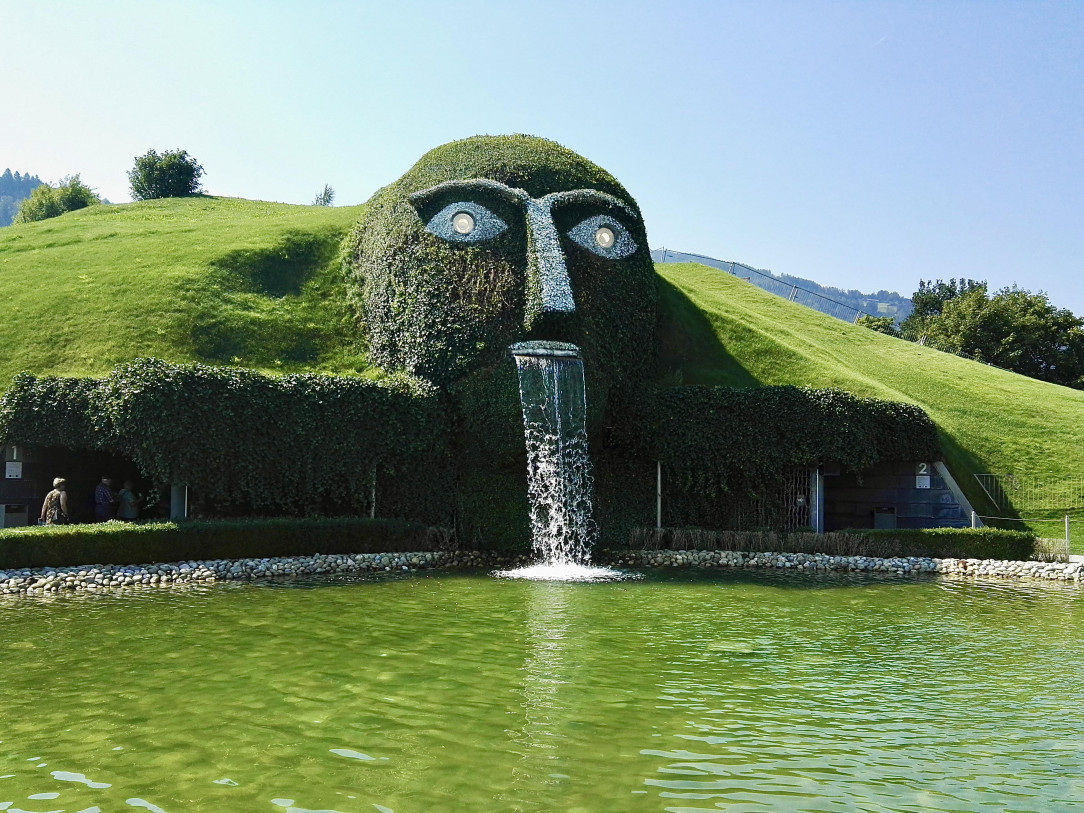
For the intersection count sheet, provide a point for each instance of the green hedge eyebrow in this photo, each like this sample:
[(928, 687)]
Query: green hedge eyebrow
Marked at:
[(519, 196)]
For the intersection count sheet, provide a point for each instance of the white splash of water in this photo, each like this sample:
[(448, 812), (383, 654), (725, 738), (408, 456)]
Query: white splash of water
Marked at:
[(545, 572), (560, 482)]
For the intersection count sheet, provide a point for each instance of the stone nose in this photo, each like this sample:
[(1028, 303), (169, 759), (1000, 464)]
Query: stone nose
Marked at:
[(547, 274)]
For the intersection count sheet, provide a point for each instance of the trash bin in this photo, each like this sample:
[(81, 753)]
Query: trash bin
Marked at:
[(14, 516), (884, 518)]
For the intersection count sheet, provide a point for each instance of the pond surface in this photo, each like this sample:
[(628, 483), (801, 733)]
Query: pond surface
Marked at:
[(457, 692)]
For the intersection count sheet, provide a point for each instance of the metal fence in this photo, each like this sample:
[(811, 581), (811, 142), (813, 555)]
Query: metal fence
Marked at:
[(767, 281), (1025, 493), (1055, 537)]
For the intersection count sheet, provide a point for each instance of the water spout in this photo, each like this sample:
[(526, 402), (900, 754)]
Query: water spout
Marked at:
[(560, 482)]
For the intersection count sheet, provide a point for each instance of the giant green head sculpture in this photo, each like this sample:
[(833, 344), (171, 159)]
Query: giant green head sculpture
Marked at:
[(498, 239)]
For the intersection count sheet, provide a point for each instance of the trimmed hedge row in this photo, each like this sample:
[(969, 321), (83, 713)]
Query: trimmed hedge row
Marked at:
[(936, 543), (118, 543), (957, 543)]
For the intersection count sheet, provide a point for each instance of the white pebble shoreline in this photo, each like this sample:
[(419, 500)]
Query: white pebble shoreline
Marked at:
[(820, 562), (93, 578)]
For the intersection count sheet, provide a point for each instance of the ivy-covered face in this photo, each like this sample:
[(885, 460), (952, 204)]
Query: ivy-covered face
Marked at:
[(549, 288), (495, 240)]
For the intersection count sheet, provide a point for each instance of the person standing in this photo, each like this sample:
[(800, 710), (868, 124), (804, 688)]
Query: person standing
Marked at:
[(105, 500), (54, 511), (128, 502)]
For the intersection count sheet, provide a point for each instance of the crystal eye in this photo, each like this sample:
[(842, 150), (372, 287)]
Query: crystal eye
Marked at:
[(604, 236), (465, 222)]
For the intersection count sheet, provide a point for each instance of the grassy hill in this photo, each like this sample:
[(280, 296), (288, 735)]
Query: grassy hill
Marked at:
[(208, 279), (719, 329), (256, 284)]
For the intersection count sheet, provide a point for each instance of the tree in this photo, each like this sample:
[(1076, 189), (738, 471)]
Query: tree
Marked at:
[(1013, 329), (880, 324), (929, 300), (47, 201), (16, 185), (325, 197), (173, 174), (14, 188), (9, 207)]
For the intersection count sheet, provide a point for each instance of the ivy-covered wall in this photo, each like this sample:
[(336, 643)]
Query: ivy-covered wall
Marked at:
[(726, 452), (250, 443), (300, 445), (716, 439)]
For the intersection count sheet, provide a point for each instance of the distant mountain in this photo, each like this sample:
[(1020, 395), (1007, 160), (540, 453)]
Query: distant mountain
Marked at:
[(846, 305), (14, 188), (882, 303)]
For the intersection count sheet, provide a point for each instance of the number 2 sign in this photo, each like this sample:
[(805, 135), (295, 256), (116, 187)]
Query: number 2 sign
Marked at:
[(922, 475)]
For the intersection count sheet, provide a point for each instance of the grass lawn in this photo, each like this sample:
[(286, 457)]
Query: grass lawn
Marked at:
[(219, 280)]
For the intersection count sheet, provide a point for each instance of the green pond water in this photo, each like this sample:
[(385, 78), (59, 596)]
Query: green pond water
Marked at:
[(459, 692)]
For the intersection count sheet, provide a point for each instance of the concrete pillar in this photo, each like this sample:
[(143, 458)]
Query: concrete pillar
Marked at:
[(966, 508), (178, 502), (816, 500), (658, 495)]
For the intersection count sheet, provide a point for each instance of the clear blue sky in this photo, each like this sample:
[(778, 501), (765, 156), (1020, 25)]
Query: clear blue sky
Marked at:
[(865, 145)]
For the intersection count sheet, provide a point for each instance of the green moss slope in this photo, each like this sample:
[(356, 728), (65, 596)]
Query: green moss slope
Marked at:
[(218, 280), (719, 329)]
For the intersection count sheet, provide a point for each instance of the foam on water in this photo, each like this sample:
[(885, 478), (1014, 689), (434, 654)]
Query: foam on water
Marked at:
[(565, 572)]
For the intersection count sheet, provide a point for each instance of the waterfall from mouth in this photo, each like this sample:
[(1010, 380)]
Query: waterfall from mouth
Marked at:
[(560, 483)]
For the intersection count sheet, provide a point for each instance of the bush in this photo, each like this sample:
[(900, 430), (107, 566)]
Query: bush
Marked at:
[(173, 174), (47, 201), (118, 543), (880, 324), (954, 543), (938, 543)]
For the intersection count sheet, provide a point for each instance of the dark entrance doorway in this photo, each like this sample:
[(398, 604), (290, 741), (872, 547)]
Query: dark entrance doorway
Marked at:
[(83, 469)]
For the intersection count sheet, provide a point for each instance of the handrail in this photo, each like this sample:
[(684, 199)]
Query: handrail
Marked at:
[(666, 254)]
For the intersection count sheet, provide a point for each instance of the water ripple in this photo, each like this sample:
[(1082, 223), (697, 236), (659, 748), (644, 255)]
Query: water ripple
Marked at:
[(739, 691)]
